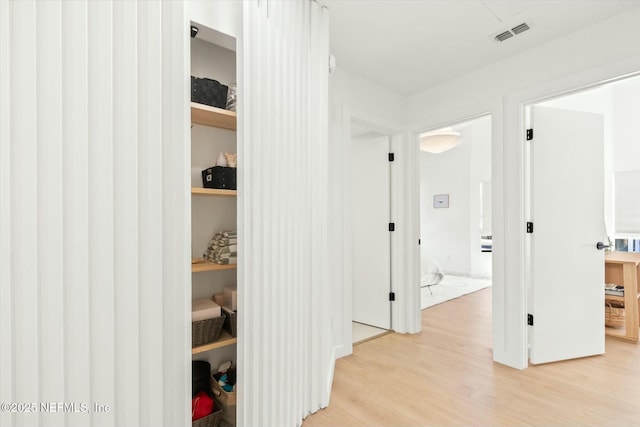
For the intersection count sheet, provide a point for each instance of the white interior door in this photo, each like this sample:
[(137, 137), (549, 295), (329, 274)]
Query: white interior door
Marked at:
[(567, 210), (371, 270)]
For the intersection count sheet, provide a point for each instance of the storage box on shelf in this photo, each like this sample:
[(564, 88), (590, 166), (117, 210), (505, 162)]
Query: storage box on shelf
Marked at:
[(208, 91), (230, 321), (212, 420), (206, 331), (227, 400)]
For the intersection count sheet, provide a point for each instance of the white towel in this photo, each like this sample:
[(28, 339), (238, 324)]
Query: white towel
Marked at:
[(203, 309)]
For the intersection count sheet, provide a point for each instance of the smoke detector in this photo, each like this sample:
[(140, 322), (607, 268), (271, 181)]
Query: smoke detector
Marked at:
[(518, 29)]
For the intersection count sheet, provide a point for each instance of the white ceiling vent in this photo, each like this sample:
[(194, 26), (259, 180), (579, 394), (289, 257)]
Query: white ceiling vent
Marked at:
[(518, 29), (503, 36)]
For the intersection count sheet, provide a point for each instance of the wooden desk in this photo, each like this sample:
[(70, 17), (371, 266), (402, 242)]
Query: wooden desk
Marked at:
[(623, 268)]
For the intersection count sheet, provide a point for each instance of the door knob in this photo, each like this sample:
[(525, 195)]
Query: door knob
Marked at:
[(600, 246)]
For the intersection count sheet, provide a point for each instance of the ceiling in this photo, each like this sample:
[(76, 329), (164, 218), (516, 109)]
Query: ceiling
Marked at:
[(411, 45)]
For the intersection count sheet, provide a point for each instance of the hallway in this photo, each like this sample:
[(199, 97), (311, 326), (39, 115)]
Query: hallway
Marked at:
[(446, 376)]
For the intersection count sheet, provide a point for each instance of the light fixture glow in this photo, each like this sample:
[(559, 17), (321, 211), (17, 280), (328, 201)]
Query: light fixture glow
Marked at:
[(439, 141)]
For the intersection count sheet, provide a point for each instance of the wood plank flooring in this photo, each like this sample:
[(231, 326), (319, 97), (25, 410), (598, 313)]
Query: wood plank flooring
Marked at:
[(445, 376)]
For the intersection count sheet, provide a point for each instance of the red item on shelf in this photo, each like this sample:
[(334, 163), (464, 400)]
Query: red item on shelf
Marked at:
[(201, 406)]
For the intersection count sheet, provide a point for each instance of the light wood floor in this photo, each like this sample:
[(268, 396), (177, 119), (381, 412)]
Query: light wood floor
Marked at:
[(445, 376)]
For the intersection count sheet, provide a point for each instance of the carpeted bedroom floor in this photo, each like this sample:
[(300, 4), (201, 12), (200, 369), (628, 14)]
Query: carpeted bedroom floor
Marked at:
[(449, 288)]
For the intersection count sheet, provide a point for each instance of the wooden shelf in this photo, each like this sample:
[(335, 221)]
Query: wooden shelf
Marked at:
[(613, 298), (211, 116), (617, 298), (225, 340), (199, 267), (199, 191), (623, 268)]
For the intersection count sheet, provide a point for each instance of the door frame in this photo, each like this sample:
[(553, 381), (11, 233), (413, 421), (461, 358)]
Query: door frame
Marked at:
[(515, 181), (399, 268), (385, 141)]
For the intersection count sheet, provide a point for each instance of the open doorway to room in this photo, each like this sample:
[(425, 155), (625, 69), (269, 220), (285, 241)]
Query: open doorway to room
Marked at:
[(455, 210)]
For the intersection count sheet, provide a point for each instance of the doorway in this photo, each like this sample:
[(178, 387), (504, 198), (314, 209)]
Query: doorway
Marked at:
[(370, 198), (616, 106), (455, 212)]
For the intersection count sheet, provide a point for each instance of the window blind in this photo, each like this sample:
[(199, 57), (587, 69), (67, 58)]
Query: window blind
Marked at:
[(627, 203), (485, 208)]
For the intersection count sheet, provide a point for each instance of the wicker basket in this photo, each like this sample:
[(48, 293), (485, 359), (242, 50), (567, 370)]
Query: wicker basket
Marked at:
[(206, 331), (212, 420), (227, 400), (614, 314), (225, 397), (231, 322)]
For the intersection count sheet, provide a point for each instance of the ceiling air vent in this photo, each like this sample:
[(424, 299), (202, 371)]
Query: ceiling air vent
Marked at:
[(520, 28), (513, 32), (503, 36)]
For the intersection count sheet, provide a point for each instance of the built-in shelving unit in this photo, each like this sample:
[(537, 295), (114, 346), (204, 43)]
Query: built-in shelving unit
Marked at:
[(212, 210)]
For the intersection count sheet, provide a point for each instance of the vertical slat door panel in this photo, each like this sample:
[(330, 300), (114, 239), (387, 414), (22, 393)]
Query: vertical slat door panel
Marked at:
[(6, 294), (176, 214), (283, 279), (23, 204), (75, 194), (125, 69), (48, 171), (101, 210), (150, 196), (93, 174)]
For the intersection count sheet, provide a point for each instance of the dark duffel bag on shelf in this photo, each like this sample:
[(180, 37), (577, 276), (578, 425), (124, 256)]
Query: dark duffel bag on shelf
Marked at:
[(209, 92), (220, 177), (200, 377)]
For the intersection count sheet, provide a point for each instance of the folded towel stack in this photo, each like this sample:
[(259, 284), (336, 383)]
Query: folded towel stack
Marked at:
[(223, 248), (203, 309)]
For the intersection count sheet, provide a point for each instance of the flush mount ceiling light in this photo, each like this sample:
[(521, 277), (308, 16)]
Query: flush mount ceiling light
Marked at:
[(439, 141)]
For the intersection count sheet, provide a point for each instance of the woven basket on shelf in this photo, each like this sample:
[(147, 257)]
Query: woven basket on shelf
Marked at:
[(614, 314), (231, 322), (212, 420), (206, 331)]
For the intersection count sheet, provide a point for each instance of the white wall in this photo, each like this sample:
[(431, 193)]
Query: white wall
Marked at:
[(592, 54), (444, 231), (451, 235), (224, 16)]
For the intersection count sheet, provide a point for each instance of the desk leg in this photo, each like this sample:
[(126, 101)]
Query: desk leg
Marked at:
[(631, 301)]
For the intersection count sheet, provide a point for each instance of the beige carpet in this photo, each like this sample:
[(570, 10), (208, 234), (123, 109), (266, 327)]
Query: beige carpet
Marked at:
[(449, 288)]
